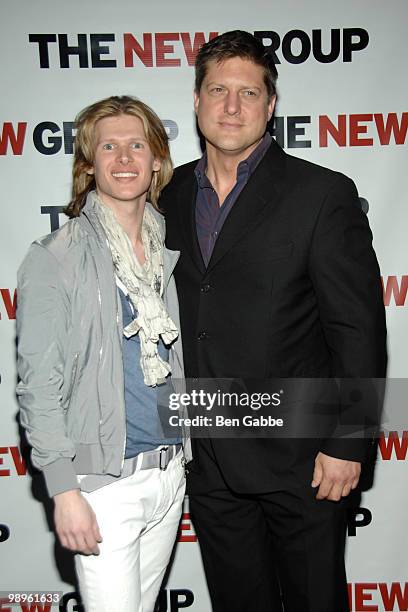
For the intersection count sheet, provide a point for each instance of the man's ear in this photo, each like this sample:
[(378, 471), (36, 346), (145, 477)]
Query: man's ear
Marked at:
[(90, 170), (271, 106), (196, 101), (156, 165)]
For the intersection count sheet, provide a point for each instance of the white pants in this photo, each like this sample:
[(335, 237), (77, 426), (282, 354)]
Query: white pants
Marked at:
[(138, 519)]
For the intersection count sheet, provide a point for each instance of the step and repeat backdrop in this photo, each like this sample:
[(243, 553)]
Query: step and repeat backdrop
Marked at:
[(343, 103)]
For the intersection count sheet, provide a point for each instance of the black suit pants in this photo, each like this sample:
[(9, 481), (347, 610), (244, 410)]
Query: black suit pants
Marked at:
[(282, 550)]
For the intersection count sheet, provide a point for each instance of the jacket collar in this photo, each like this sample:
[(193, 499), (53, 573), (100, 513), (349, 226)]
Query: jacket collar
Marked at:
[(90, 222)]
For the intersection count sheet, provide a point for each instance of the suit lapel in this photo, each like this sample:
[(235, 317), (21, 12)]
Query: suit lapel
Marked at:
[(170, 258), (186, 209), (254, 204)]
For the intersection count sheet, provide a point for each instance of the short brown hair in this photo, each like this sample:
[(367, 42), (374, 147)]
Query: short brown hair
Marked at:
[(86, 120), (236, 43)]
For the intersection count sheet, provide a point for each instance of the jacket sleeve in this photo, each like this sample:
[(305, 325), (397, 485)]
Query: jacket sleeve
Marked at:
[(42, 331), (346, 277)]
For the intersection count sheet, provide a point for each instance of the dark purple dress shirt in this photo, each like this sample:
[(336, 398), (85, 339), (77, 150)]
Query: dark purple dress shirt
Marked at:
[(210, 216)]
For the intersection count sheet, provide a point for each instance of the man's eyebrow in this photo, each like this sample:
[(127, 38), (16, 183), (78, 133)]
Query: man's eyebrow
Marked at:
[(251, 87), (108, 138), (220, 84)]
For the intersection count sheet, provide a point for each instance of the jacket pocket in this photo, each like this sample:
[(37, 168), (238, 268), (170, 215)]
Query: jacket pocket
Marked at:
[(74, 372)]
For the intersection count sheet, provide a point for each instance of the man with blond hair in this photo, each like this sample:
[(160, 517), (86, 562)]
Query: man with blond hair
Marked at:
[(98, 341)]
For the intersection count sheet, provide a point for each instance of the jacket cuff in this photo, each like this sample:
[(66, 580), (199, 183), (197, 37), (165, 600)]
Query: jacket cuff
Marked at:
[(60, 476), (350, 449)]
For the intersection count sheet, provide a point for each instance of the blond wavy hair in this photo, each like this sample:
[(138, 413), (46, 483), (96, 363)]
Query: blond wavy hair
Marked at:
[(85, 122)]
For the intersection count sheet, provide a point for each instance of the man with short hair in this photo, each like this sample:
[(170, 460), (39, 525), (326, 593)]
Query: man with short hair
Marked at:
[(277, 279)]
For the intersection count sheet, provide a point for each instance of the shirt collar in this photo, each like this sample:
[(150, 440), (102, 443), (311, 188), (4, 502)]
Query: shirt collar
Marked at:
[(245, 167)]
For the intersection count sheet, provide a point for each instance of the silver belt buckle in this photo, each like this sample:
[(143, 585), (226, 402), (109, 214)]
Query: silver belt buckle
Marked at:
[(163, 458)]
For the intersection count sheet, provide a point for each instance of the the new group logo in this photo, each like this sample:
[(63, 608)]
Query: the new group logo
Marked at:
[(378, 596), (173, 49), (344, 130), (8, 303), (169, 600), (395, 289), (12, 463)]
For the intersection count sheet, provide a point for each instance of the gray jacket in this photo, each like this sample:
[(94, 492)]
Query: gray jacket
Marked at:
[(69, 330)]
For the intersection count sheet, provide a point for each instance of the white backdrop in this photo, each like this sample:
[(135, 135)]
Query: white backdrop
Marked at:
[(343, 96)]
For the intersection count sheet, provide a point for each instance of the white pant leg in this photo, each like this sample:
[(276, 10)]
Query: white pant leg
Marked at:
[(154, 559), (125, 510)]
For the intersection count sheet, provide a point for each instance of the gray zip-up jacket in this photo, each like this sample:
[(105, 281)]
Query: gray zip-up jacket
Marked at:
[(69, 331)]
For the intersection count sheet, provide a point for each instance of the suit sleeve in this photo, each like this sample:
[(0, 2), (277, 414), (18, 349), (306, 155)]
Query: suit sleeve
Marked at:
[(42, 310), (346, 277)]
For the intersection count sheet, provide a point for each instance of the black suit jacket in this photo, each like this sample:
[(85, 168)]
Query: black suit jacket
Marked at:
[(292, 290)]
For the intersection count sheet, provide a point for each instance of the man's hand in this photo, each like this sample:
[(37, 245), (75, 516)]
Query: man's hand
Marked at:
[(75, 523), (335, 477)]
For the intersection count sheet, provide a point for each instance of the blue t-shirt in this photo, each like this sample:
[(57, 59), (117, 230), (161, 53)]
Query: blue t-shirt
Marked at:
[(144, 430)]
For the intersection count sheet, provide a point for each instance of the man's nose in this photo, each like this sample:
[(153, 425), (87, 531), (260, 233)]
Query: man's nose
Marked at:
[(124, 155), (232, 103)]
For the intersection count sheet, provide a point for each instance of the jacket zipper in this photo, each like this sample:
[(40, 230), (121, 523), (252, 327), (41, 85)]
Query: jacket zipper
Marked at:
[(120, 342), (100, 348)]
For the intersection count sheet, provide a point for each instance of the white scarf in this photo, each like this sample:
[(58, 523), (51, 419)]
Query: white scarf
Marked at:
[(145, 286)]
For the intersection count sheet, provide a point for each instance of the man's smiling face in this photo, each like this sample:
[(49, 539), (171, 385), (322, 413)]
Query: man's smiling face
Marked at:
[(123, 161)]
